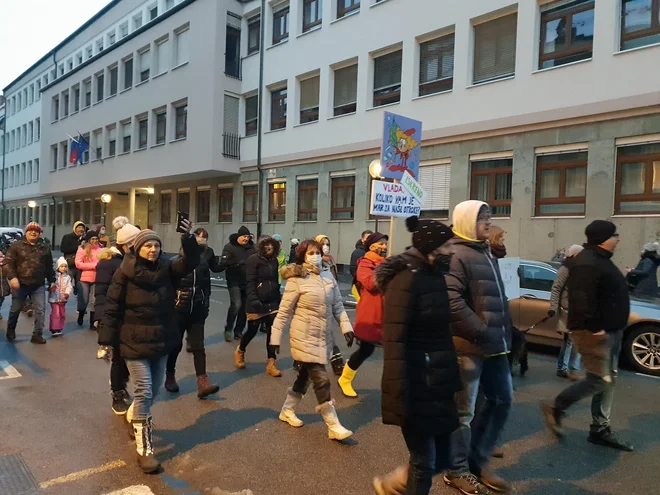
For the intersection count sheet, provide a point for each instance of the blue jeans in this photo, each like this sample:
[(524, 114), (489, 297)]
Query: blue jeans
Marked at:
[(569, 357), (473, 442), (38, 296), (429, 455), (85, 296), (148, 376), (236, 313)]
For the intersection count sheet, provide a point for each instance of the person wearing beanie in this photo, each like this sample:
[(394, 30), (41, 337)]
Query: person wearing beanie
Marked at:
[(359, 251), (86, 260), (69, 246), (292, 252), (192, 303), (234, 256), (643, 279), (481, 329), (369, 314), (139, 314), (59, 295), (281, 256), (599, 307), (28, 263), (420, 370)]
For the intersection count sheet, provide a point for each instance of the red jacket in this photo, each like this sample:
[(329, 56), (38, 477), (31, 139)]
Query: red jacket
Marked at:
[(369, 315)]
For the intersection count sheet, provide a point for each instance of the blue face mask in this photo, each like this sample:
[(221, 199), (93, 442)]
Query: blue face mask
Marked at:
[(313, 259)]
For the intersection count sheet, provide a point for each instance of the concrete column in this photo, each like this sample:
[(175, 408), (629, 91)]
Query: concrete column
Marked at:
[(459, 180), (600, 177), (131, 205)]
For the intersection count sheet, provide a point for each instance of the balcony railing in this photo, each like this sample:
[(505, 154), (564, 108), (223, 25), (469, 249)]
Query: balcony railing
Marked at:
[(231, 145), (233, 68)]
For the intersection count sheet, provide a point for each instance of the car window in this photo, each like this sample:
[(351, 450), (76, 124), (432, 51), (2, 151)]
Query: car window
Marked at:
[(537, 278)]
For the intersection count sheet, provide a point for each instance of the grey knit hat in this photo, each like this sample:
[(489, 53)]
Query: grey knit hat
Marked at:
[(144, 236)]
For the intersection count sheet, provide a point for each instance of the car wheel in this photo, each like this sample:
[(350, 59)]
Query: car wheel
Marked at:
[(642, 349)]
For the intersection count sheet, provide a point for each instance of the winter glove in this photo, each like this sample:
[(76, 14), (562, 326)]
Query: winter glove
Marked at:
[(52, 288), (66, 297), (275, 349), (551, 313), (350, 337)]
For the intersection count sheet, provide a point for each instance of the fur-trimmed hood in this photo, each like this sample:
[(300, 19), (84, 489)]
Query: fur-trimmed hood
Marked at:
[(261, 247), (411, 259), (293, 270)]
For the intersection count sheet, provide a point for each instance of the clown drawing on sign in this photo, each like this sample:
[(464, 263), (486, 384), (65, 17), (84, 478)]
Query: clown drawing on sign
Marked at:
[(401, 146)]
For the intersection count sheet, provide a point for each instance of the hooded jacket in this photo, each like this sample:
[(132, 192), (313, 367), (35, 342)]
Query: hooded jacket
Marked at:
[(139, 307), (70, 244), (420, 367), (193, 293), (358, 253), (263, 286), (644, 277), (87, 266), (109, 261), (233, 259), (309, 304), (480, 318), (31, 264), (63, 284), (369, 313)]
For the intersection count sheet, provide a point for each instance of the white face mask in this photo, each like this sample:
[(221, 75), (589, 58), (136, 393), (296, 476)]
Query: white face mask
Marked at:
[(313, 259), (326, 249), (102, 231)]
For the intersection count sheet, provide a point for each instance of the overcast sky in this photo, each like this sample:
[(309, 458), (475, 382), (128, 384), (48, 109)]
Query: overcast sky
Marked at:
[(31, 28)]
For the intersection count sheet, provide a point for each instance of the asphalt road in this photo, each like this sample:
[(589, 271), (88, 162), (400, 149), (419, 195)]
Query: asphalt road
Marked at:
[(57, 416)]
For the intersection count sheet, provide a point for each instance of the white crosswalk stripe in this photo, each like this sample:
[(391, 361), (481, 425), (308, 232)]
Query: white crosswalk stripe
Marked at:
[(8, 371), (133, 490)]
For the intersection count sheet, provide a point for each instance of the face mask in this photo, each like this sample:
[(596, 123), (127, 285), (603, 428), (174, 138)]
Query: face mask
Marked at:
[(201, 241), (313, 259), (326, 249)]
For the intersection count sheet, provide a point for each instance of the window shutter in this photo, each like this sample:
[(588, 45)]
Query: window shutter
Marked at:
[(144, 60), (387, 70), (435, 180), (233, 21), (182, 46), (251, 108), (346, 85), (436, 59), (495, 48), (163, 56), (309, 93), (126, 129), (112, 134), (231, 115)]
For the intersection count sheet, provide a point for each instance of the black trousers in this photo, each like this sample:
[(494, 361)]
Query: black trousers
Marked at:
[(118, 371), (253, 328), (363, 352), (316, 374), (193, 325), (236, 312)]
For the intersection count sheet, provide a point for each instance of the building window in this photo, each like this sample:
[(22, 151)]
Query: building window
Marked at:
[(561, 184), (233, 52), (495, 49), (98, 145), (28, 174), (97, 212), (128, 73), (85, 156), (90, 54), (343, 198), (76, 99), (169, 4), (126, 129), (88, 92), (254, 32), (144, 60), (181, 39), (251, 115), (87, 211), (165, 207), (181, 130), (67, 212), (308, 192), (143, 125), (250, 199), (55, 108), (567, 33), (162, 56), (309, 100), (387, 78), (112, 140), (53, 154), (183, 201), (312, 14), (640, 23), (225, 203), (76, 210), (137, 21), (112, 37), (30, 132), (281, 25), (277, 202), (114, 73), (436, 65), (436, 180), (161, 128), (65, 154), (65, 104), (347, 6), (99, 46), (100, 79), (491, 182), (51, 214), (278, 109), (153, 12), (638, 179), (23, 173), (203, 205), (123, 30)]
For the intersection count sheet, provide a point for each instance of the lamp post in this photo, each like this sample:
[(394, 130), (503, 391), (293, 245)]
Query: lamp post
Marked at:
[(375, 169), (105, 199), (31, 204)]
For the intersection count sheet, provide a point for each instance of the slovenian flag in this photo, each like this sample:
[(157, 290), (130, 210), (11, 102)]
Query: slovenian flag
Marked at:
[(74, 154)]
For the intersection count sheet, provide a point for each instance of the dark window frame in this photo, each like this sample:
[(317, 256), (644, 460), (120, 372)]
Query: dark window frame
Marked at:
[(161, 125), (277, 16), (337, 183), (128, 74), (276, 189), (142, 144), (114, 80), (343, 11), (307, 186), (654, 30), (251, 191), (308, 26), (562, 199), (567, 13), (387, 95), (166, 207), (183, 201), (100, 87), (226, 193), (252, 124), (181, 122), (254, 24), (310, 114), (493, 173), (278, 99), (648, 195), (437, 85), (203, 199)]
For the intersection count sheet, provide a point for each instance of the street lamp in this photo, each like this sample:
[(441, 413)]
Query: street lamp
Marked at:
[(375, 169), (105, 199), (31, 204)]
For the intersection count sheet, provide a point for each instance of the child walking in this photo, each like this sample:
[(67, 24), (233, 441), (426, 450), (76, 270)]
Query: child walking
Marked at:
[(4, 283), (59, 295)]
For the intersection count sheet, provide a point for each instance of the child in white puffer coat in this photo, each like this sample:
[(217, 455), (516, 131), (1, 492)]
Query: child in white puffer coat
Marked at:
[(59, 295)]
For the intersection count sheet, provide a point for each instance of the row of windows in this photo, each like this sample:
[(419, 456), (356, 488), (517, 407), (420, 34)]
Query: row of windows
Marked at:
[(117, 138), (23, 136), (22, 173), (120, 76), (90, 211)]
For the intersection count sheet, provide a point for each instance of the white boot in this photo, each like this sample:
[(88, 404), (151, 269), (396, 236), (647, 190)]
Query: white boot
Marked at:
[(335, 430), (288, 415), (129, 419), (144, 445)]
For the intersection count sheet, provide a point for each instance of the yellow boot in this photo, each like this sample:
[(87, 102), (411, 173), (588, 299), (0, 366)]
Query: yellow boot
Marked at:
[(346, 381)]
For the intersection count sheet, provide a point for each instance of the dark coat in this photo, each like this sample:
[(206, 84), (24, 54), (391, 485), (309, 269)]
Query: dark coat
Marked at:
[(292, 254), (233, 259), (263, 286), (139, 307), (644, 278), (358, 253), (598, 296), (109, 262), (31, 264), (420, 368), (480, 318), (70, 244), (193, 291)]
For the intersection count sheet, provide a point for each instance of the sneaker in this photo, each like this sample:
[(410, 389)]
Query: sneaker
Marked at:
[(562, 373), (57, 333), (552, 419), (465, 483), (11, 334), (120, 402), (81, 316), (38, 339), (609, 438), (493, 481)]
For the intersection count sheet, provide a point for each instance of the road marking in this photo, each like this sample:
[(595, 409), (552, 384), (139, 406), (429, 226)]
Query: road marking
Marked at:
[(648, 376), (9, 370), (82, 474), (133, 490)]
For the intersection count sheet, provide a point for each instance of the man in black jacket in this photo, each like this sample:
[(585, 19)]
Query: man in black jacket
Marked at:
[(599, 306), (69, 247), (234, 256), (29, 263), (359, 251)]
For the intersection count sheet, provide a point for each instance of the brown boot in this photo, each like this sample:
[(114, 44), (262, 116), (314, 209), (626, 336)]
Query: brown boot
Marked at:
[(239, 358), (271, 369), (205, 387)]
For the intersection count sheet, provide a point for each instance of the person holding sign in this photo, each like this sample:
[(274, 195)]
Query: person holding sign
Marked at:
[(369, 314)]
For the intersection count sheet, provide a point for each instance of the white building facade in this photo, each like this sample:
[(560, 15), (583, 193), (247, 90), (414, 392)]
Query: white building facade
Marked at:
[(547, 110)]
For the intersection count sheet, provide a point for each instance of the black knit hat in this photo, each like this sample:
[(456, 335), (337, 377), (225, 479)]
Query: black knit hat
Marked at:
[(599, 231), (374, 238), (90, 234), (243, 230), (428, 235)]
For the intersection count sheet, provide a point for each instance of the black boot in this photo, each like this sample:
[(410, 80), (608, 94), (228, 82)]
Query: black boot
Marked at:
[(609, 438), (91, 320), (11, 334), (81, 316)]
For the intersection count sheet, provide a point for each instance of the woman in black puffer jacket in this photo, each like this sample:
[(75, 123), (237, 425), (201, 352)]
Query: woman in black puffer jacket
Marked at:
[(420, 368), (263, 300), (193, 297), (139, 312)]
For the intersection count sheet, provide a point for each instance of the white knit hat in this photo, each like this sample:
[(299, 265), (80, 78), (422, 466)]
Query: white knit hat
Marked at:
[(126, 233), (61, 261)]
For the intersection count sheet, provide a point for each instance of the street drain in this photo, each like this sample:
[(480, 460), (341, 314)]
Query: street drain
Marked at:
[(15, 477)]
